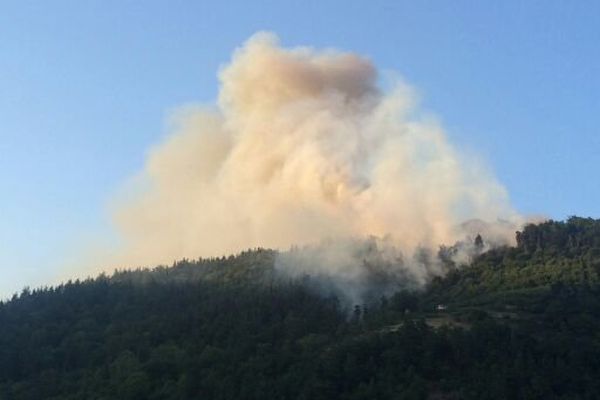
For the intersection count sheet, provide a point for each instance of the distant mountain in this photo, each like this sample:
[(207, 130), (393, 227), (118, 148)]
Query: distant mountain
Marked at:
[(516, 323)]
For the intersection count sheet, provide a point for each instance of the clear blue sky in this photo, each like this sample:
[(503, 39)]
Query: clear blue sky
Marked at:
[(85, 87)]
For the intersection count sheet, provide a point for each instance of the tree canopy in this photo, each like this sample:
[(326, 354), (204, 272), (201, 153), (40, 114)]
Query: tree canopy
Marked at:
[(518, 322)]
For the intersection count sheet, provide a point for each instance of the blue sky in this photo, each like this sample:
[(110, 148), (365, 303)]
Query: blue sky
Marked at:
[(85, 87)]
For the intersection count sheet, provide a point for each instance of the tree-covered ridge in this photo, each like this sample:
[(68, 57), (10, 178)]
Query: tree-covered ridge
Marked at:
[(251, 267), (225, 328), (552, 252)]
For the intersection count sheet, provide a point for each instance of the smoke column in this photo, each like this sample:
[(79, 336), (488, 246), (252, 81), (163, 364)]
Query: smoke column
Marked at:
[(304, 147)]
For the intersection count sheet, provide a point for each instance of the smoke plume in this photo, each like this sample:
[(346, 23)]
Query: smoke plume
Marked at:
[(305, 148)]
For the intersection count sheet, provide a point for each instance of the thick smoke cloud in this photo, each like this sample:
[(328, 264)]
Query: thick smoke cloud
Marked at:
[(303, 147)]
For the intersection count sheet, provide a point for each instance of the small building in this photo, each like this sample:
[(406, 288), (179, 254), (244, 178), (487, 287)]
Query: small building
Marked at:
[(441, 307)]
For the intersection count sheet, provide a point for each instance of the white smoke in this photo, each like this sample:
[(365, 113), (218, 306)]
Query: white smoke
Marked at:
[(305, 148)]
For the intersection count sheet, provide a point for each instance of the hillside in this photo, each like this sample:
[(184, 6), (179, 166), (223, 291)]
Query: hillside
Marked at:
[(546, 255), (518, 322)]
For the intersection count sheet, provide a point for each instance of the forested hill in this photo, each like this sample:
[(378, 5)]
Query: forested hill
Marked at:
[(518, 323), (547, 254)]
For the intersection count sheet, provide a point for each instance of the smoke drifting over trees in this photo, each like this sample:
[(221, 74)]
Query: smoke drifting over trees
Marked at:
[(305, 148)]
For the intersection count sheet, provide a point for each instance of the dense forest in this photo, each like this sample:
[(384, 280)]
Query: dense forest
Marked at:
[(518, 322)]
